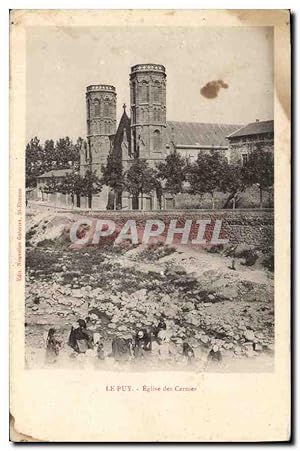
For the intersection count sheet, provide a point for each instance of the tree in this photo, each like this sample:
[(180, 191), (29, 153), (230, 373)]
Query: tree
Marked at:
[(44, 158), (206, 173), (172, 172), (78, 185), (91, 184), (67, 154), (52, 186), (113, 175), (33, 161), (140, 179), (231, 182), (72, 184), (259, 170)]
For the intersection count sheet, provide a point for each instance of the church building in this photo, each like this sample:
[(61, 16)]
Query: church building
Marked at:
[(144, 133)]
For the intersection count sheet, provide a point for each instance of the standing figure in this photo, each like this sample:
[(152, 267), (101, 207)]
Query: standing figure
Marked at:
[(122, 349), (142, 343), (214, 354), (100, 351), (156, 329), (166, 348), (188, 353), (52, 346), (80, 339)]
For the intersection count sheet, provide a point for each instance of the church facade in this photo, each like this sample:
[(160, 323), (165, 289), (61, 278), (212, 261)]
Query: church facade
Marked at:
[(145, 133)]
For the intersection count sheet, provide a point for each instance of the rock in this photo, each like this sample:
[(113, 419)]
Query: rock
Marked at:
[(259, 335), (228, 345), (249, 335), (211, 296), (122, 328), (188, 306), (204, 339), (229, 292)]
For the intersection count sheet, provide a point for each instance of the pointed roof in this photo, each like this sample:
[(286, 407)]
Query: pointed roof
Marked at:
[(254, 128), (124, 124), (197, 133)]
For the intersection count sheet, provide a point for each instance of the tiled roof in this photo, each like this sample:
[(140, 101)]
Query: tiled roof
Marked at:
[(56, 173), (197, 133), (254, 128)]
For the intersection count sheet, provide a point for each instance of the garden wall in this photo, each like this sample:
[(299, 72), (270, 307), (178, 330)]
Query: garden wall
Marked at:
[(253, 227)]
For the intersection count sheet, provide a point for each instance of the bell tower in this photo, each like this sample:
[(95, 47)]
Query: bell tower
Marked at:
[(148, 112), (101, 103)]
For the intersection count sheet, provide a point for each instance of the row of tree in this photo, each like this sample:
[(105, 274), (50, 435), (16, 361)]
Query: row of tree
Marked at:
[(41, 158), (76, 185), (209, 173)]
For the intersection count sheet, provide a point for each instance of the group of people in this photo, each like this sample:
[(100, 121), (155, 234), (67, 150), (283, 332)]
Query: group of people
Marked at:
[(146, 343)]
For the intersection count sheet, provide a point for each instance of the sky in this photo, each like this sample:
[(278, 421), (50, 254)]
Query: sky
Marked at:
[(62, 61)]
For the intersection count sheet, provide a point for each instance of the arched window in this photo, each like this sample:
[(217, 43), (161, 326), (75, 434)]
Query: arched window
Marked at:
[(156, 115), (96, 107), (88, 108), (133, 93), (156, 92), (144, 92), (156, 140), (142, 115), (106, 108)]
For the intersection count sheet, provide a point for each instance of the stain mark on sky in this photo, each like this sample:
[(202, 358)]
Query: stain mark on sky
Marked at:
[(212, 88)]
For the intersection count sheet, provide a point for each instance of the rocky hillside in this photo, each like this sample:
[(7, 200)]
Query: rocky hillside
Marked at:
[(205, 297)]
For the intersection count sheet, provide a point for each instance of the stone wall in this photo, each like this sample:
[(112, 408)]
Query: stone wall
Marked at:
[(253, 227)]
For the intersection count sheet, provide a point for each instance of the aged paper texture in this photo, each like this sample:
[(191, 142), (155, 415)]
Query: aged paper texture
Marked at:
[(149, 226)]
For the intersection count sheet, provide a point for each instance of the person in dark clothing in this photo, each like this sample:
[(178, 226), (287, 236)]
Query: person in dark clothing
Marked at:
[(188, 353), (100, 351), (156, 329), (142, 343), (121, 349), (214, 354), (80, 339), (52, 346)]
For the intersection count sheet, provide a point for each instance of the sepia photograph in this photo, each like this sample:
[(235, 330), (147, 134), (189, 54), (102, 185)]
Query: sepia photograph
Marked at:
[(150, 225), (164, 175)]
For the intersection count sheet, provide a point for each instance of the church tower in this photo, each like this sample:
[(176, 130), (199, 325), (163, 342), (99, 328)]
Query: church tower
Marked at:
[(101, 103), (148, 112)]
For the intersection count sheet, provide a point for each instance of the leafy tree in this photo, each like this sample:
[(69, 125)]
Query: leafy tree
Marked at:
[(232, 183), (44, 158), (172, 172), (72, 184), (66, 153), (259, 170), (140, 179), (33, 161), (52, 186), (113, 175), (78, 185), (206, 173), (91, 184)]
